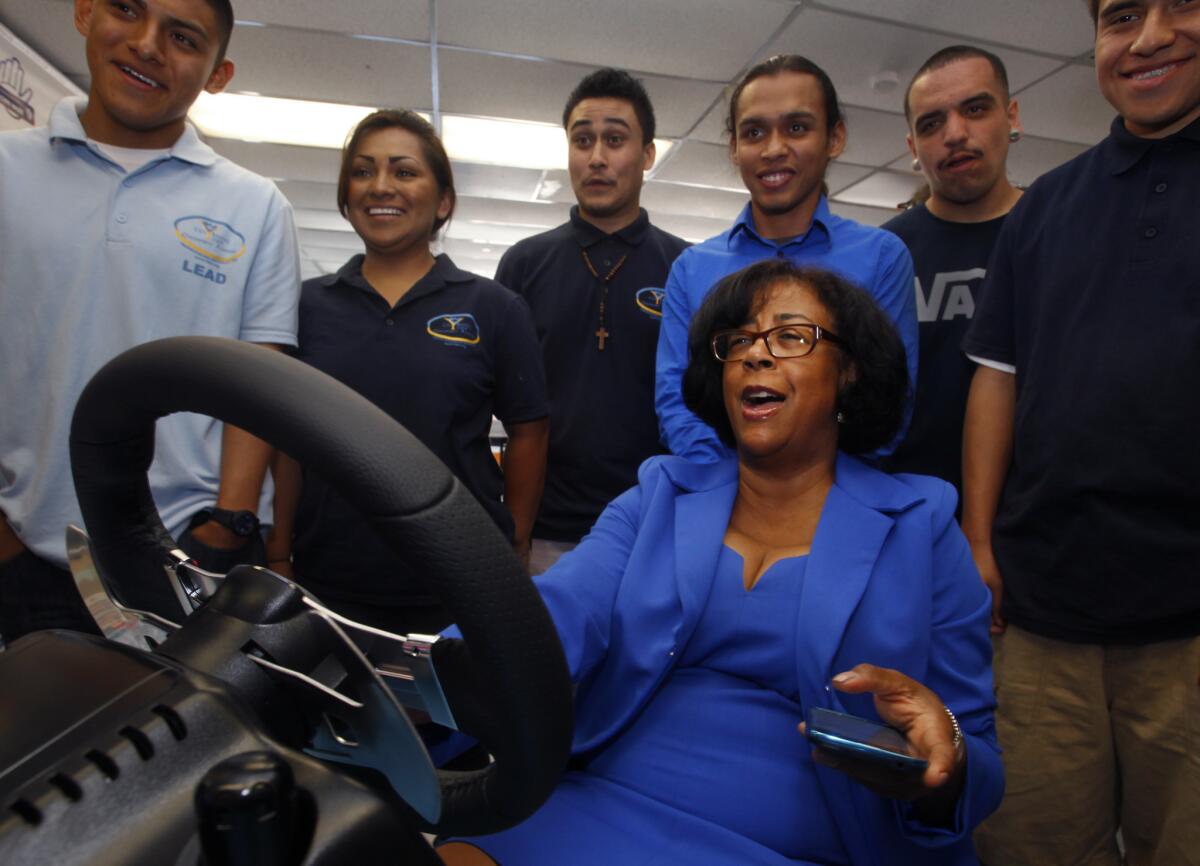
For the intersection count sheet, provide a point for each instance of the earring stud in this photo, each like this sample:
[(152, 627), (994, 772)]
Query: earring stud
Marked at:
[(916, 165), (1014, 135)]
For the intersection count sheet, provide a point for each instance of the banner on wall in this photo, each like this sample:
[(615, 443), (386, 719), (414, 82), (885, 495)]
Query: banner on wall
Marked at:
[(29, 86)]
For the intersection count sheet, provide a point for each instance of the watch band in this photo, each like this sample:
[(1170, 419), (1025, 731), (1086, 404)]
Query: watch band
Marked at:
[(243, 523)]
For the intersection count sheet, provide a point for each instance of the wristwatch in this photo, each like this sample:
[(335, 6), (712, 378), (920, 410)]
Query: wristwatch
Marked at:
[(243, 523)]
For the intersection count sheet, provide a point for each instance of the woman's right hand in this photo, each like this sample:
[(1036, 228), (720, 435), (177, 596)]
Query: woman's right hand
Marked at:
[(919, 714)]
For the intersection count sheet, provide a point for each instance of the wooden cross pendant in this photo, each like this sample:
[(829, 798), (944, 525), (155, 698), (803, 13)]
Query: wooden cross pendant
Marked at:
[(601, 335)]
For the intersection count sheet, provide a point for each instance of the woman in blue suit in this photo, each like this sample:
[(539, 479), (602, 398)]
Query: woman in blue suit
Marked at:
[(713, 605)]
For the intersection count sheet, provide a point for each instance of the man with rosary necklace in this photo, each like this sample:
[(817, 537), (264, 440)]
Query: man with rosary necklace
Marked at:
[(594, 285)]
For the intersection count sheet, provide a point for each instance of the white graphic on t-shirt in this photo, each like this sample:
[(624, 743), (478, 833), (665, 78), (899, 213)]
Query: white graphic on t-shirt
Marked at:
[(960, 302)]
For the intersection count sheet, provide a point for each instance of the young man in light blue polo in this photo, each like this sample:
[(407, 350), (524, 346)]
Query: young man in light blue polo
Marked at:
[(120, 226)]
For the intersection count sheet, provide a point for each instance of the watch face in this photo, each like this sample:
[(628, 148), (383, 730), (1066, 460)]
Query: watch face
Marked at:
[(244, 523)]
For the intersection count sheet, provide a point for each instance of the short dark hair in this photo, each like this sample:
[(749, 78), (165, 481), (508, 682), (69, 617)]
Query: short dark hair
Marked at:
[(224, 10), (786, 63), (431, 148), (953, 54), (872, 401), (1094, 8), (614, 84)]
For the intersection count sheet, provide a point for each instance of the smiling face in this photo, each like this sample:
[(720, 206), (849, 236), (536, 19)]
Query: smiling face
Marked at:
[(606, 159), (782, 146), (149, 60), (785, 408), (961, 119), (392, 196), (1147, 64)]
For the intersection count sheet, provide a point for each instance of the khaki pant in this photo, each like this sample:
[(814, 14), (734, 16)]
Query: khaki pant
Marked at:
[(544, 554), (1096, 738)]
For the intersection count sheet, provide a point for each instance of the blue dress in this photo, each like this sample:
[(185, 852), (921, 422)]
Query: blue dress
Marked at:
[(713, 772)]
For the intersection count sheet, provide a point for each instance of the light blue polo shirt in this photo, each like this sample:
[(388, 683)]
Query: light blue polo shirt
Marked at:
[(96, 261)]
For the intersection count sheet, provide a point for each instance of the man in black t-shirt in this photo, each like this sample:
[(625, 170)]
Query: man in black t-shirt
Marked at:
[(1081, 477), (961, 122), (595, 287)]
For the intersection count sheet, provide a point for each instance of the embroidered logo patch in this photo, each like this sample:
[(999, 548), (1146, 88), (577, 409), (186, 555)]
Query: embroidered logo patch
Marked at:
[(650, 301), (213, 239), (454, 328)]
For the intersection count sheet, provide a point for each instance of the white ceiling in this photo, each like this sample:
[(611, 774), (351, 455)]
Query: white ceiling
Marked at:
[(519, 59)]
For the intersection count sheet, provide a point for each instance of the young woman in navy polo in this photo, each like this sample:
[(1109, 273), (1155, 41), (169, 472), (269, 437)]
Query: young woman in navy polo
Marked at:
[(439, 349)]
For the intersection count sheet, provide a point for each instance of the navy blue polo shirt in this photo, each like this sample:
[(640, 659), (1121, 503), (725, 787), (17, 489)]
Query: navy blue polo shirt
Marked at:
[(1094, 296), (602, 421), (456, 349)]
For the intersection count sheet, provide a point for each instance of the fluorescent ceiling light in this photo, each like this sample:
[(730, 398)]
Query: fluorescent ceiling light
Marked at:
[(516, 143), (487, 141), (279, 121)]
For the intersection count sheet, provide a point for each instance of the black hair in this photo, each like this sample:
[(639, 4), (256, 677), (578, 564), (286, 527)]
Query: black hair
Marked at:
[(953, 54), (873, 399), (431, 148), (1094, 8), (224, 10), (786, 63), (614, 84)]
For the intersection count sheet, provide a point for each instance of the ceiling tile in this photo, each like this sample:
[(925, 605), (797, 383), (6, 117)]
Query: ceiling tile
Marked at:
[(873, 137), (281, 161), (1056, 28), (1067, 106), (840, 175), (884, 189), (870, 216), (690, 228), (697, 162), (496, 181), (703, 39), (853, 50), (310, 194), (372, 17), (345, 241), (323, 220), (712, 126), (278, 61), (693, 201), (487, 86), (1032, 157), (489, 233), (539, 215)]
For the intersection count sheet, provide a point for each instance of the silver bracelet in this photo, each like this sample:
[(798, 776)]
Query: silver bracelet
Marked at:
[(958, 734)]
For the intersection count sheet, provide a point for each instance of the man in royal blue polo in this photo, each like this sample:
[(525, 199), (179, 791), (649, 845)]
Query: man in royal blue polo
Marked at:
[(785, 127), (120, 226), (1081, 474), (595, 287)]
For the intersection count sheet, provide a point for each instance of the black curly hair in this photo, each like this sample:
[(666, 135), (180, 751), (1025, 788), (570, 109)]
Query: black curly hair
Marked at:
[(872, 401), (614, 84)]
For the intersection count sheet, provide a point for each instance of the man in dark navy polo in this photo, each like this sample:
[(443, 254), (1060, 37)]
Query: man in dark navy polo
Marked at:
[(961, 121), (1082, 475), (594, 284)]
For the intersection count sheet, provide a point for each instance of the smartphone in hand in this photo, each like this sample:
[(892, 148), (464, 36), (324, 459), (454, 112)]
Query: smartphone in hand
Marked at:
[(863, 739)]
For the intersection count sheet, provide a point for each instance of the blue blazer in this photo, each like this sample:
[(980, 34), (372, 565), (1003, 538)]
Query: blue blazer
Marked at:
[(890, 581)]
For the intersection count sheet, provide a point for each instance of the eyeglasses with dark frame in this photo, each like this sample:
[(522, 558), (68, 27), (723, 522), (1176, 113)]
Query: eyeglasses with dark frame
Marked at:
[(786, 341)]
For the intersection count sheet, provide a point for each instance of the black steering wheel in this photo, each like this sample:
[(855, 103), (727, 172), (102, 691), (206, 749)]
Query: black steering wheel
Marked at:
[(517, 669)]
